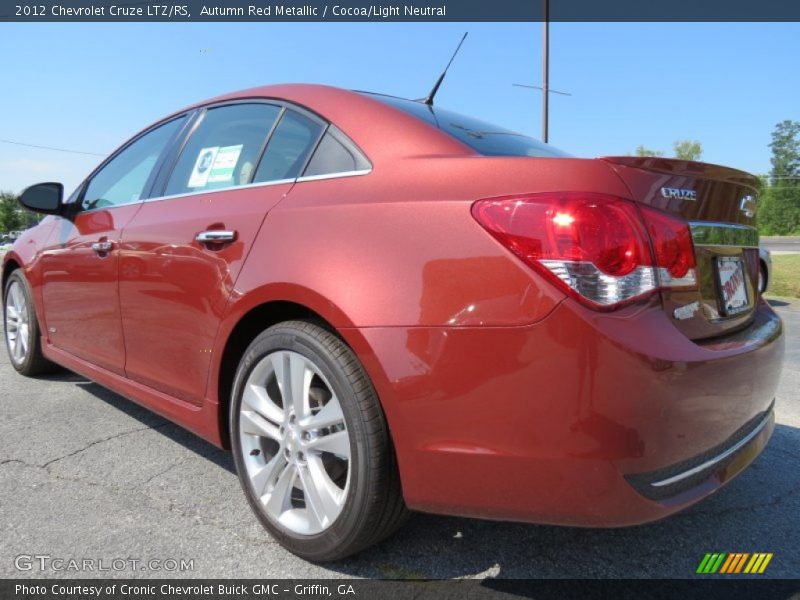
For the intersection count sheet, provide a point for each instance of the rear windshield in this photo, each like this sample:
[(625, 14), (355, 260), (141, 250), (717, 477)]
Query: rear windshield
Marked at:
[(483, 137)]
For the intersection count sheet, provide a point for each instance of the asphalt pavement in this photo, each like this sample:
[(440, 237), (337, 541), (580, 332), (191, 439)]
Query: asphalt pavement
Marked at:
[(86, 474)]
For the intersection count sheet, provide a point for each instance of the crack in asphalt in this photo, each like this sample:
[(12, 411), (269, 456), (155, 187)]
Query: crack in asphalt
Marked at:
[(163, 472), (83, 448), (103, 440)]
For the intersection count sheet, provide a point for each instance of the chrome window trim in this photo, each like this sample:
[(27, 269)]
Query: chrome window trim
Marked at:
[(719, 457), (711, 233), (88, 211), (222, 189), (303, 178), (261, 184)]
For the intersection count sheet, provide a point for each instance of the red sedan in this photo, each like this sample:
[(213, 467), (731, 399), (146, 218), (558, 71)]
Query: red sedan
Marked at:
[(381, 305)]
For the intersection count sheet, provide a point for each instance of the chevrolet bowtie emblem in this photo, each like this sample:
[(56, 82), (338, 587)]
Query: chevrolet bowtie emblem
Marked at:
[(748, 206)]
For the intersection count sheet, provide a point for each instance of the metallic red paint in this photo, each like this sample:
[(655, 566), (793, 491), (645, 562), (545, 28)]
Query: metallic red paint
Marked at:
[(80, 289), (173, 291), (504, 398)]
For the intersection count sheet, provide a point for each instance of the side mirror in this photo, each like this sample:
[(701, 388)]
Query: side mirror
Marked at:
[(43, 198)]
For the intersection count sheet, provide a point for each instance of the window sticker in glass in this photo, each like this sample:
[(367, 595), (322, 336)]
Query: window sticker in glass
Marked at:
[(214, 165)]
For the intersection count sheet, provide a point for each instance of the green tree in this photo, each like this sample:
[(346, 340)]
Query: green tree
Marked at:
[(779, 210), (11, 215), (688, 149), (785, 146), (642, 151)]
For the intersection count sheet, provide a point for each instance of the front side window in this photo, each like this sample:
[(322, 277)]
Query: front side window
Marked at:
[(223, 150), (288, 148), (123, 179)]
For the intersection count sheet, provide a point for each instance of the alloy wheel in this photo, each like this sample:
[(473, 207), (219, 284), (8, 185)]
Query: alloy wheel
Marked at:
[(295, 443), (16, 323)]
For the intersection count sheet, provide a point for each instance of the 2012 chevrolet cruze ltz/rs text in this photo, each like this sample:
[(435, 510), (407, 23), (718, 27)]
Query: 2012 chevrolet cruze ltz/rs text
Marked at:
[(380, 305)]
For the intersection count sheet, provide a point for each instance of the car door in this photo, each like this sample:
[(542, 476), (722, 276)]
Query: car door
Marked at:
[(182, 251), (80, 260)]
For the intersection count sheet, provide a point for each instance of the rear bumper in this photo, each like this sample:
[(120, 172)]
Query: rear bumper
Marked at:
[(574, 419), (716, 466)]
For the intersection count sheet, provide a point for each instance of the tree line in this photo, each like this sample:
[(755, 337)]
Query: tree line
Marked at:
[(779, 200)]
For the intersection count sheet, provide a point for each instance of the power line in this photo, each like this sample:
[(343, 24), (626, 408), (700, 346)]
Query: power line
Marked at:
[(540, 88), (51, 148)]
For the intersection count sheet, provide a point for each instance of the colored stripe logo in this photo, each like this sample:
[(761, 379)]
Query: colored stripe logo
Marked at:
[(728, 563)]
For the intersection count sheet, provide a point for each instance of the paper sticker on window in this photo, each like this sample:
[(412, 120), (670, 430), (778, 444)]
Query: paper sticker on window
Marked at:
[(202, 167), (224, 163)]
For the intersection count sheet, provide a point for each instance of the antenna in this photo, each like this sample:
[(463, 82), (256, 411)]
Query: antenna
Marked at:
[(429, 99)]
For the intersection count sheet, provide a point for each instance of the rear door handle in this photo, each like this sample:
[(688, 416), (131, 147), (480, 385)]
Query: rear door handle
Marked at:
[(216, 236), (103, 246)]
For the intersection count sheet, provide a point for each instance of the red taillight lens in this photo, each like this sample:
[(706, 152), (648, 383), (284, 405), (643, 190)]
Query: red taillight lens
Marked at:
[(594, 246), (672, 246)]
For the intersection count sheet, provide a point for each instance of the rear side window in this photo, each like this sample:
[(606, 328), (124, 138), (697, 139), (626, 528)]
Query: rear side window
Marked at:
[(483, 137), (289, 146), (223, 150), (335, 154), (123, 179)]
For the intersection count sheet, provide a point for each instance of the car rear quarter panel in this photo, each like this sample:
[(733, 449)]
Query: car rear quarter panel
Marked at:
[(399, 248)]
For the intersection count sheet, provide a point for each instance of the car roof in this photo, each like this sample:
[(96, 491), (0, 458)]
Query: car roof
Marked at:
[(381, 131)]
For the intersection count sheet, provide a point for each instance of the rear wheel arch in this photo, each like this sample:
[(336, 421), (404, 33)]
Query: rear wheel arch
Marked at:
[(249, 326)]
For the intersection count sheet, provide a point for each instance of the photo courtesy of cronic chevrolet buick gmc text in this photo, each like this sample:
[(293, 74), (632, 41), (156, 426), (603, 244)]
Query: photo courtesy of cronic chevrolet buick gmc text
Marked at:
[(380, 305)]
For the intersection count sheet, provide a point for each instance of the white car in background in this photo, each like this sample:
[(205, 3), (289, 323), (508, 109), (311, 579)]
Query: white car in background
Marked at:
[(764, 269)]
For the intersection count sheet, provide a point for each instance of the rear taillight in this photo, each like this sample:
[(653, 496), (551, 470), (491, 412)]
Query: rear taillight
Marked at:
[(595, 247), (673, 249)]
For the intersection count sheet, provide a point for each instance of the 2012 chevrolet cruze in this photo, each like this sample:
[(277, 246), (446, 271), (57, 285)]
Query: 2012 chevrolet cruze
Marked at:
[(380, 305)]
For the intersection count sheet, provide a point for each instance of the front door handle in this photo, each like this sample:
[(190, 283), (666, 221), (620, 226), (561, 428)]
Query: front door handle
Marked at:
[(103, 246), (216, 236)]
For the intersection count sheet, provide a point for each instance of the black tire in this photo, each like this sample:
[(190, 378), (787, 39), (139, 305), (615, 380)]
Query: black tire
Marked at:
[(34, 362), (373, 507), (763, 282)]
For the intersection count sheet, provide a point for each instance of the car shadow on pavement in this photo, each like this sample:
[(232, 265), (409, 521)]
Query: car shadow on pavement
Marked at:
[(776, 302), (62, 375), (167, 428)]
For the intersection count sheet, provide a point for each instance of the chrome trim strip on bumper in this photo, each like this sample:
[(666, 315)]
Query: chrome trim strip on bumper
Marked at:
[(709, 233), (720, 457)]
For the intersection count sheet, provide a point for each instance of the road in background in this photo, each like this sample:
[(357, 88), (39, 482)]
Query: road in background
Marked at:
[(85, 473), (780, 244)]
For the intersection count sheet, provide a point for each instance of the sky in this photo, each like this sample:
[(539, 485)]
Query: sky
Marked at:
[(88, 87)]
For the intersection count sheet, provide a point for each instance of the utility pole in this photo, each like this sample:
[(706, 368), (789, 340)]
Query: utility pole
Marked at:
[(545, 87), (546, 71)]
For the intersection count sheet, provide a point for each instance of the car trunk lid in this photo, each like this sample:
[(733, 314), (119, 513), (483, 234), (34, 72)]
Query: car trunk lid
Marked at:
[(719, 205)]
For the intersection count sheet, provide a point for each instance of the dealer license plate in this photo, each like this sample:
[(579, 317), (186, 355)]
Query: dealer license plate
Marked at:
[(730, 272)]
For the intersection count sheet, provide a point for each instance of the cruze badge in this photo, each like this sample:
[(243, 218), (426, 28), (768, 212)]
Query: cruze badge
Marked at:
[(748, 206), (678, 194)]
